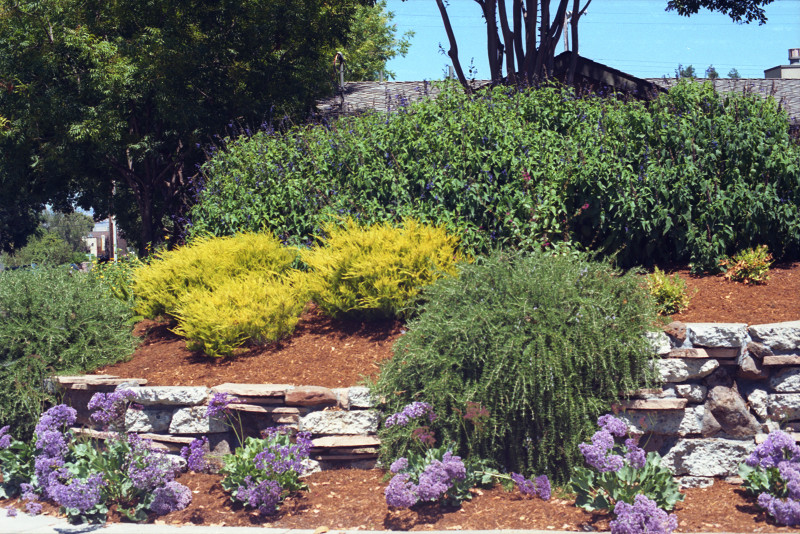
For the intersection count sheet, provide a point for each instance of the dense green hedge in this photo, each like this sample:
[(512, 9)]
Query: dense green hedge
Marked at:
[(545, 342), (53, 320), (694, 176)]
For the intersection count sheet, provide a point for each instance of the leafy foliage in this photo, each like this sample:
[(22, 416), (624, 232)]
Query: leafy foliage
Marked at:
[(748, 266), (691, 178), (372, 42), (669, 292), (205, 263), (377, 270), (53, 320), (252, 308), (45, 249), (546, 341)]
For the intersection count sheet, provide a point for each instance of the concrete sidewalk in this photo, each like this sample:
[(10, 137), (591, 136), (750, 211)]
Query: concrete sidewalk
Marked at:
[(25, 524)]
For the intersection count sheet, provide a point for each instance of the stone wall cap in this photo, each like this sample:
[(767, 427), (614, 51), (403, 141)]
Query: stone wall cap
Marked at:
[(654, 404), (785, 324), (258, 408), (253, 390), (333, 442)]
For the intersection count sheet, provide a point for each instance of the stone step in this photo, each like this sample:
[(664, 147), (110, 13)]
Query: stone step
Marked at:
[(653, 404), (787, 359), (252, 390), (343, 457), (89, 381), (332, 442), (644, 393), (688, 353), (722, 352), (258, 408), (72, 379)]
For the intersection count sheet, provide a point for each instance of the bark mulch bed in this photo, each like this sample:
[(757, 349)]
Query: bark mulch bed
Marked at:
[(333, 353)]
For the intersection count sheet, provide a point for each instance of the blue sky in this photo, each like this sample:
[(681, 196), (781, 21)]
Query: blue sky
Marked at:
[(636, 36)]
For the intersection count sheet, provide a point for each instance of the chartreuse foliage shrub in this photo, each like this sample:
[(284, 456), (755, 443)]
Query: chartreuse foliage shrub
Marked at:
[(206, 263), (377, 270), (249, 308), (54, 320), (692, 177), (669, 292), (544, 342), (748, 266)]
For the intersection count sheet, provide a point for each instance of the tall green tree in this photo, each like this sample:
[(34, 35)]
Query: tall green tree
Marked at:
[(372, 42), (108, 103), (525, 37)]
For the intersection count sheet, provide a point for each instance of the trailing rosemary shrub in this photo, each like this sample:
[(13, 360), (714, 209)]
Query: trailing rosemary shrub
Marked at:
[(544, 342), (377, 270)]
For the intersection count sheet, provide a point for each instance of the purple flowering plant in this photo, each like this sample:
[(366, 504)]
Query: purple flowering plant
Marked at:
[(772, 472), (619, 470), (642, 517), (16, 463), (264, 470)]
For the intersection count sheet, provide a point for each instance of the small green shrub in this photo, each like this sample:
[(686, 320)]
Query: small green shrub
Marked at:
[(748, 266), (205, 263), (669, 292), (117, 276), (545, 342), (53, 320), (377, 270), (248, 308)]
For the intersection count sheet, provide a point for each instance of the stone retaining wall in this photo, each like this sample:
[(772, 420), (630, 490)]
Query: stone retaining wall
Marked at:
[(342, 421), (725, 386)]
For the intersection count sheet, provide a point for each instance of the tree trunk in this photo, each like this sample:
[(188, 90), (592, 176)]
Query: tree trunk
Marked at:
[(453, 52)]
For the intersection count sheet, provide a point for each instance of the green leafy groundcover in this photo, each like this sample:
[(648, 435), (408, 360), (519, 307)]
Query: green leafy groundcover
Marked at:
[(691, 177), (545, 342), (54, 320)]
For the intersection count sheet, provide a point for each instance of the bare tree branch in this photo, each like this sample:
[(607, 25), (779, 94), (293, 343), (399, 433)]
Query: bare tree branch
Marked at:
[(453, 52)]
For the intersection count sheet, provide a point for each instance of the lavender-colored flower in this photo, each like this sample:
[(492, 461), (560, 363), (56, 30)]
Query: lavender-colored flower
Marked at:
[(399, 465), (56, 419), (439, 476), (195, 455), (543, 487), (525, 486), (401, 492), (785, 512), (78, 494), (51, 443), (612, 425), (790, 472), (109, 408), (263, 496), (5, 437), (778, 446), (148, 468), (11, 512), (29, 497), (597, 454), (636, 456), (171, 497), (218, 405), (33, 508), (643, 517), (410, 412)]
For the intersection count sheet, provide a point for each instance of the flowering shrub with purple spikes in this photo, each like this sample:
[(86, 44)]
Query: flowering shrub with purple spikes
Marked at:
[(195, 455), (620, 470), (772, 471), (109, 408), (642, 517), (262, 471)]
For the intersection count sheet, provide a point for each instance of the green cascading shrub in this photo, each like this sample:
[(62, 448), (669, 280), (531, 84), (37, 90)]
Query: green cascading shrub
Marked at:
[(690, 177), (206, 263), (544, 342), (54, 320), (377, 270)]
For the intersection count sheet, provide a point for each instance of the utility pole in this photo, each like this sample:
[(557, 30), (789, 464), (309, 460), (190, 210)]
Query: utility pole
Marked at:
[(567, 16)]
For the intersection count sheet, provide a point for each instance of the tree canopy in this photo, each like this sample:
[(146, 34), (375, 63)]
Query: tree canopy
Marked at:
[(525, 39), (372, 42), (108, 104)]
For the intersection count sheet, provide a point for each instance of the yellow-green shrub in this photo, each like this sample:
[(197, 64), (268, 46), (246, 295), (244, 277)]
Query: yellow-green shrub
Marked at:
[(376, 271), (669, 293), (251, 308), (748, 266), (206, 263)]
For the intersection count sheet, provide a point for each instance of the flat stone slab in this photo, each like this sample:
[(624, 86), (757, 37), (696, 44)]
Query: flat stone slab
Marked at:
[(778, 336), (147, 420), (311, 396), (670, 423), (682, 369), (784, 406), (340, 422), (688, 353), (73, 379), (654, 404), (332, 442), (257, 408), (709, 457), (717, 334), (253, 390), (171, 395), (786, 380), (343, 457), (360, 397), (789, 359), (695, 393), (659, 341), (723, 353), (89, 381), (168, 438), (193, 420)]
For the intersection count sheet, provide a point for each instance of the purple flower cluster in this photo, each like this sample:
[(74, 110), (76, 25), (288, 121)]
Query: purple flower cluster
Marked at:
[(11, 512), (82, 495), (148, 469), (643, 517), (538, 486), (434, 482), (277, 459), (171, 497), (785, 512), (29, 497), (778, 447), (109, 408), (51, 446), (264, 495), (410, 412), (195, 455), (5, 437), (218, 405), (600, 452)]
